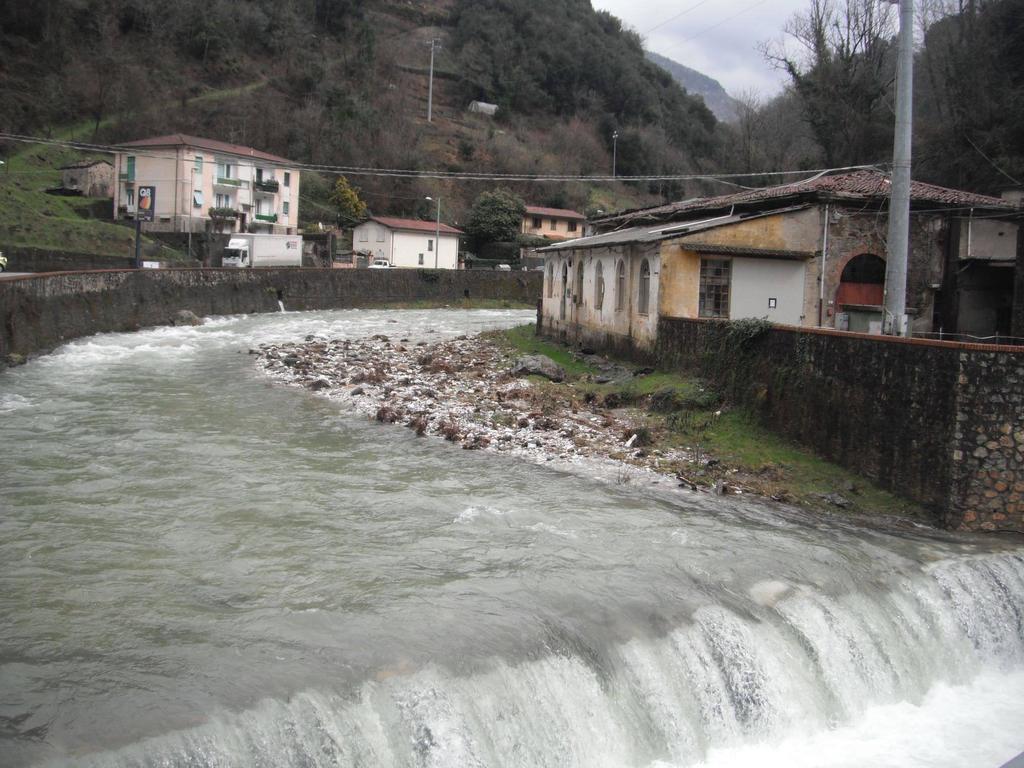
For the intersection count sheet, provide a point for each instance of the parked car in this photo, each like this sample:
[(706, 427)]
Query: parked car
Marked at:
[(380, 264), (503, 268)]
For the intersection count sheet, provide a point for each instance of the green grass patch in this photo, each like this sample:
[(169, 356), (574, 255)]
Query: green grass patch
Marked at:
[(31, 217), (523, 339)]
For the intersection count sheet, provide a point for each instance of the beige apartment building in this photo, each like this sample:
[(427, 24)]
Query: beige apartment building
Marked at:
[(553, 223), (203, 182)]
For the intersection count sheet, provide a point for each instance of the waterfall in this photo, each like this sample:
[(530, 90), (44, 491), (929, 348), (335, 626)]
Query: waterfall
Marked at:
[(784, 662), (280, 305)]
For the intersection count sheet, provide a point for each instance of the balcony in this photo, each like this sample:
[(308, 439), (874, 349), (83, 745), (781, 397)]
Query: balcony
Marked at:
[(266, 185), (223, 214), (270, 218), (227, 181)]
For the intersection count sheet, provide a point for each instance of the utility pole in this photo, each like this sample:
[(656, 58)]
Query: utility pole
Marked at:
[(615, 152), (894, 318), (434, 44)]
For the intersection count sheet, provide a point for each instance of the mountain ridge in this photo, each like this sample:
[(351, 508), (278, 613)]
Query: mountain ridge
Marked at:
[(697, 83)]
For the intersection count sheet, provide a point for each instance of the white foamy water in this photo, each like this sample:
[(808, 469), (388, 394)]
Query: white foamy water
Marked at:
[(199, 568)]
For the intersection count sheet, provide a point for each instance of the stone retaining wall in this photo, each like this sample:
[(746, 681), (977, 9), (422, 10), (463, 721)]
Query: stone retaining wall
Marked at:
[(39, 312), (937, 422)]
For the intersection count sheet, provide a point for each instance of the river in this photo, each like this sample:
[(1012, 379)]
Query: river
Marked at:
[(199, 567)]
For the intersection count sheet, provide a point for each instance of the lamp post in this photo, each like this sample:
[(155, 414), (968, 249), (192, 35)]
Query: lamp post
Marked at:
[(437, 229), (191, 205), (615, 151)]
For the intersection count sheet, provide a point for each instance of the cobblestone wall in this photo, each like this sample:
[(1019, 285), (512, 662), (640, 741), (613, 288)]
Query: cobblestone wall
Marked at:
[(937, 422), (988, 457)]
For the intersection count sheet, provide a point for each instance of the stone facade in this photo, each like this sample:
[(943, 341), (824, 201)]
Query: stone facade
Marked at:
[(937, 422)]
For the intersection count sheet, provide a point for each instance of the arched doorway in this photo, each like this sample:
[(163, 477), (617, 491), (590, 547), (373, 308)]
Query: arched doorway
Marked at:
[(861, 294)]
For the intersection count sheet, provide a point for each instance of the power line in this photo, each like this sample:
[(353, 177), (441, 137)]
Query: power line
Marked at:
[(661, 24), (410, 173)]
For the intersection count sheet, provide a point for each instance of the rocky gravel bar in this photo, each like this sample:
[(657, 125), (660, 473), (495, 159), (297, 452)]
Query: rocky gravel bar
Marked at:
[(473, 392)]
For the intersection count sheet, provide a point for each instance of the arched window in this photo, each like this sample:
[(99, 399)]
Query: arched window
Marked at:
[(862, 282), (620, 286), (578, 293), (551, 279), (565, 280), (644, 297), (598, 286)]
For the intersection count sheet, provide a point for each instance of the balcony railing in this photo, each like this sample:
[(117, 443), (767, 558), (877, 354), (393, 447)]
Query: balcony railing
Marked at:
[(228, 181), (266, 185), (223, 213), (270, 217)]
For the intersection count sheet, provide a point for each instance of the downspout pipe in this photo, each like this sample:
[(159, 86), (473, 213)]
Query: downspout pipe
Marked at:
[(824, 260)]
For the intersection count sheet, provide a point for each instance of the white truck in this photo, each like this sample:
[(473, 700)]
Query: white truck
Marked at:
[(245, 250)]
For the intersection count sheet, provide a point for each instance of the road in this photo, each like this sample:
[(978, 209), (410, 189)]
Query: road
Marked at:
[(6, 275)]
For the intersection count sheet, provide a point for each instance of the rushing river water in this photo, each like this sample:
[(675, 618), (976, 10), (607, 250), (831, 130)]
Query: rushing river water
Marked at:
[(199, 567)]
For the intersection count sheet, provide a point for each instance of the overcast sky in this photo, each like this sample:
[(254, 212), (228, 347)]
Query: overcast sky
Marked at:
[(717, 37)]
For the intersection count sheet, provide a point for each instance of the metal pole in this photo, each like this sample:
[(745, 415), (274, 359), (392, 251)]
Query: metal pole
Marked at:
[(138, 234), (191, 205), (430, 88), (437, 232), (615, 152), (894, 319)]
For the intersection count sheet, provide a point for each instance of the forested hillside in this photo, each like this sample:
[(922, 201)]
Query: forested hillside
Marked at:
[(344, 82)]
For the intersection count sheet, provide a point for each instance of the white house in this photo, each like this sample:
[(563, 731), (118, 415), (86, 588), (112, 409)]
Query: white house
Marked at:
[(408, 242), (197, 180)]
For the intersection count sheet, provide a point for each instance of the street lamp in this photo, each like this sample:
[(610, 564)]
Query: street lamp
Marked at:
[(615, 148), (437, 230)]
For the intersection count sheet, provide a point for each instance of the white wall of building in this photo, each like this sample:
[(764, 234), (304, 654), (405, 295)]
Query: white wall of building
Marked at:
[(403, 248), (756, 282)]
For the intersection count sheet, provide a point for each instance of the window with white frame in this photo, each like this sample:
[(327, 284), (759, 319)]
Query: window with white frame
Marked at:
[(223, 201), (287, 179), (197, 198), (199, 164), (421, 260), (285, 206), (380, 234), (364, 234), (430, 245)]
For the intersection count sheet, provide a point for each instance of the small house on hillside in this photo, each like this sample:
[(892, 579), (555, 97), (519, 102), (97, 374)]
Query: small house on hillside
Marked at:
[(89, 178), (810, 253), (408, 242), (483, 108), (553, 223)]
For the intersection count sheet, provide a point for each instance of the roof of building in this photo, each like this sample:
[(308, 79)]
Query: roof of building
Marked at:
[(416, 225), (83, 164), (864, 185), (652, 233), (183, 140), (558, 213)]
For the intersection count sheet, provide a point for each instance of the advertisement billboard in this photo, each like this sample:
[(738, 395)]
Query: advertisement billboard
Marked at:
[(146, 205)]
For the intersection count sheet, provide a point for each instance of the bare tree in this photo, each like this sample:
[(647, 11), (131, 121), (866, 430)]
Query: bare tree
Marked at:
[(843, 69)]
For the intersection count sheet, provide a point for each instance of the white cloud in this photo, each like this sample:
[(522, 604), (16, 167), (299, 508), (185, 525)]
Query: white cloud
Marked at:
[(717, 37)]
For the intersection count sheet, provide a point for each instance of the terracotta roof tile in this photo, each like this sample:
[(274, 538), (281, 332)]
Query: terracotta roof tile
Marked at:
[(415, 225), (859, 185), (183, 140), (559, 213)]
